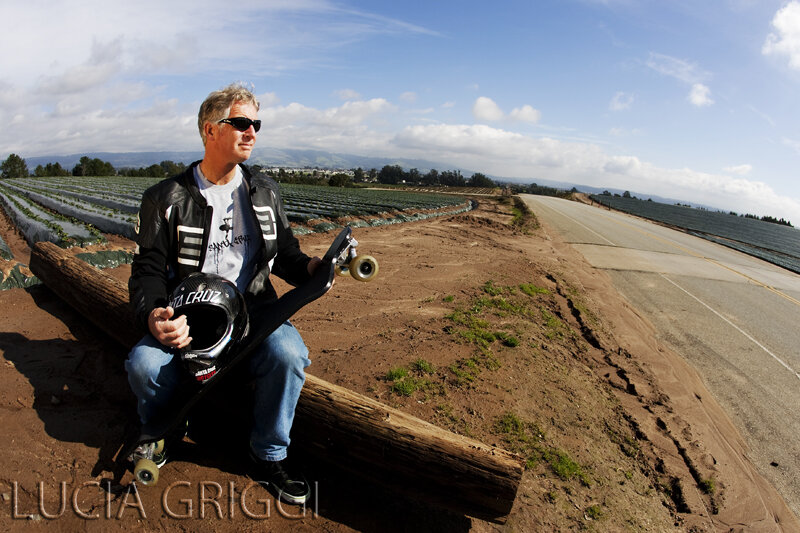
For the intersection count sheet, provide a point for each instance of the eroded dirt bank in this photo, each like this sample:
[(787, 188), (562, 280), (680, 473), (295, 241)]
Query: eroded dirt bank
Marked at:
[(502, 335)]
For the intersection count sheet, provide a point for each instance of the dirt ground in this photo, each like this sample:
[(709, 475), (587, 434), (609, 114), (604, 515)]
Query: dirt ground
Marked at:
[(501, 334)]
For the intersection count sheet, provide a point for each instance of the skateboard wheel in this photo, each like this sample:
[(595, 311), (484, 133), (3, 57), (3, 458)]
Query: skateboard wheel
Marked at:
[(146, 472), (364, 268), (341, 270), (158, 447)]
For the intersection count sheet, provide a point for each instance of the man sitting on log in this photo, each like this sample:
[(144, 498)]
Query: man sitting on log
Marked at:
[(219, 219)]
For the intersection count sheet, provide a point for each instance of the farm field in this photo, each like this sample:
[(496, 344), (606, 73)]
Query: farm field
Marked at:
[(83, 211), (775, 243)]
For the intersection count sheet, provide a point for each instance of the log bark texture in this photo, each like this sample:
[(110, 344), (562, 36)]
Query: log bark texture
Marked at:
[(100, 298), (384, 444)]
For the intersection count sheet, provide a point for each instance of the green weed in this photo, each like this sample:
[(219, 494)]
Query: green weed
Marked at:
[(423, 366), (564, 467), (708, 486), (595, 512), (396, 374), (405, 387), (532, 290), (527, 439)]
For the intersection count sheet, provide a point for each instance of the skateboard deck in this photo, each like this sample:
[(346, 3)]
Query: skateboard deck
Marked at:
[(264, 319)]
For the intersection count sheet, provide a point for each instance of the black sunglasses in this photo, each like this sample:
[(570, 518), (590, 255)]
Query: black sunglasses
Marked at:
[(242, 123)]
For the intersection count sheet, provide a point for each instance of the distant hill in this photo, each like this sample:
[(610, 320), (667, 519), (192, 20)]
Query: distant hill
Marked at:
[(317, 158), (263, 156)]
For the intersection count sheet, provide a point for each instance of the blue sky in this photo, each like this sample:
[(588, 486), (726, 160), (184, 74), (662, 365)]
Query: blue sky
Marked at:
[(690, 100)]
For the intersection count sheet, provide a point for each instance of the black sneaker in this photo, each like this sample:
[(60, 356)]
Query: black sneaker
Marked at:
[(291, 487)]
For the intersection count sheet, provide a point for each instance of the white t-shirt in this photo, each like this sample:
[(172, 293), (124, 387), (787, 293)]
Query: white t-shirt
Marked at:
[(234, 238)]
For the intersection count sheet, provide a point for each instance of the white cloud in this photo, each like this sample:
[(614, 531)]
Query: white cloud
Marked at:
[(267, 99), (347, 94), (94, 71), (179, 36), (78, 122), (409, 97), (484, 109), (741, 170), (103, 63), (686, 72), (794, 144), (700, 95), (502, 153), (784, 41), (347, 115), (679, 69), (621, 102), (354, 127), (623, 132), (768, 119), (526, 113)]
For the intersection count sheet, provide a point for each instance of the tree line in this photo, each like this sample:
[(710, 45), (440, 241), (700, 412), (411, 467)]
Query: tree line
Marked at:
[(15, 167), (395, 174)]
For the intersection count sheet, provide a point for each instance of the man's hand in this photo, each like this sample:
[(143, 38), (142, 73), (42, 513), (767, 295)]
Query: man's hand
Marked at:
[(171, 333), (313, 265)]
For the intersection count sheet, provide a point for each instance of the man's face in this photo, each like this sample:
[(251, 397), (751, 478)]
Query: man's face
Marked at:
[(231, 144)]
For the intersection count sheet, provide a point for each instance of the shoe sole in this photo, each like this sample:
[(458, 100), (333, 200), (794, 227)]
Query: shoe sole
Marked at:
[(273, 489), (292, 500)]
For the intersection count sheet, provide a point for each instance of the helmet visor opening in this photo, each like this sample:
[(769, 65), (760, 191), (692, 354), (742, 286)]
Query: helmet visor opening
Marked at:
[(207, 326)]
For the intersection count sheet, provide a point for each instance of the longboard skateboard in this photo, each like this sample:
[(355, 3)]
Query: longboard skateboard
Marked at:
[(341, 258)]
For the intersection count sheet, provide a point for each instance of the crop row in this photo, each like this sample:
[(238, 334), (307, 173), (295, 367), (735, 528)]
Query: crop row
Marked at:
[(5, 251), (312, 201), (73, 211), (37, 224), (772, 242), (127, 201), (104, 218), (303, 202)]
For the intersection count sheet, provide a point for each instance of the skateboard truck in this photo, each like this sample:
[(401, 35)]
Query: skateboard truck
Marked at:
[(347, 261), (146, 459)]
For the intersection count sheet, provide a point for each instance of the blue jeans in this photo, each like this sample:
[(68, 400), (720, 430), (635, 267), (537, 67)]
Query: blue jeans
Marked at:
[(277, 368)]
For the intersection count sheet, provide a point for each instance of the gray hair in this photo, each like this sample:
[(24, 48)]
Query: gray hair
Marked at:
[(218, 104)]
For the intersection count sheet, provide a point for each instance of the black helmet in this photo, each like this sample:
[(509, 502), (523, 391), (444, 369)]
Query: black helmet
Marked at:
[(217, 318)]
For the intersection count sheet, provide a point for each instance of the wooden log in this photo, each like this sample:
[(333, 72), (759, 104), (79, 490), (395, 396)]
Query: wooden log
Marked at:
[(100, 298), (393, 448), (384, 444)]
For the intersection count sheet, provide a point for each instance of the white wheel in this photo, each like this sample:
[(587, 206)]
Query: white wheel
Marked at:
[(364, 268), (146, 472), (341, 270)]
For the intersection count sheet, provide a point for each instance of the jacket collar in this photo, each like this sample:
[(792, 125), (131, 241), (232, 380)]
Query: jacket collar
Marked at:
[(189, 182)]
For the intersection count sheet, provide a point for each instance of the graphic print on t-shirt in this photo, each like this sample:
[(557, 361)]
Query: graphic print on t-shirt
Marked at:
[(216, 249)]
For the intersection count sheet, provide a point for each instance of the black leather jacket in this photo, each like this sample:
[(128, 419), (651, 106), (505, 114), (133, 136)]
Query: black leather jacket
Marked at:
[(172, 239)]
